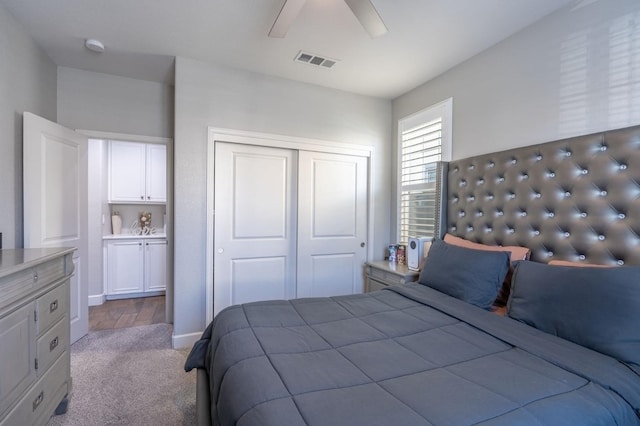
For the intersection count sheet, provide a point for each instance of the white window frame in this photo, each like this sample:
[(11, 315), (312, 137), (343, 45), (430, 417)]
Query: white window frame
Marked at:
[(443, 110)]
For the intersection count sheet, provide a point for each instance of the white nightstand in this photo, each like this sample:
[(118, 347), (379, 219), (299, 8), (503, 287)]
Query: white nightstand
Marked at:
[(381, 274)]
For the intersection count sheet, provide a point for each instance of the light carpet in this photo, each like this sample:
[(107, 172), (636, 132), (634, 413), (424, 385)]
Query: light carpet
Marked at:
[(129, 376)]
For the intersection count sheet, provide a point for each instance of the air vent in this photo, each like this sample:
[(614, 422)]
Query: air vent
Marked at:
[(311, 59)]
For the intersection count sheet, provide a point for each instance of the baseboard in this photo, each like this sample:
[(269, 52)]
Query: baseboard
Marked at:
[(134, 295), (95, 300), (181, 341)]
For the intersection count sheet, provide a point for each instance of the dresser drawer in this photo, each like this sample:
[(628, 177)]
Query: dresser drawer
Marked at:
[(373, 285), (16, 286), (17, 355), (50, 271), (50, 307), (37, 406), (52, 344), (21, 283), (388, 278)]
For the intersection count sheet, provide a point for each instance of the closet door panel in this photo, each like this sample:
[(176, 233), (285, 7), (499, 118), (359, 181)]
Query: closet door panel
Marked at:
[(255, 222), (332, 274), (259, 197), (332, 223), (272, 283), (333, 194)]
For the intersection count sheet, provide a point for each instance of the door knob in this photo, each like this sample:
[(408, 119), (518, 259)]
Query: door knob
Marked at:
[(362, 244)]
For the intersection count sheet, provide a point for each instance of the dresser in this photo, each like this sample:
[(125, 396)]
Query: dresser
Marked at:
[(35, 375), (382, 273)]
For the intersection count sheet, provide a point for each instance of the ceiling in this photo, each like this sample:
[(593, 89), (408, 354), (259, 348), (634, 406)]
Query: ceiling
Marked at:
[(141, 37)]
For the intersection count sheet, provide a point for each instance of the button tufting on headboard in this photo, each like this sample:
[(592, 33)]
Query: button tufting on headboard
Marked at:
[(576, 199)]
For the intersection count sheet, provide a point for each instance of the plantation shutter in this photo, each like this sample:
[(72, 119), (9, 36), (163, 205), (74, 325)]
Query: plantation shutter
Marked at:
[(421, 171)]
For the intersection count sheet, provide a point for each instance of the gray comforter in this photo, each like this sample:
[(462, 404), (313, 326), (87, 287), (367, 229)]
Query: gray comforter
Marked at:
[(407, 355)]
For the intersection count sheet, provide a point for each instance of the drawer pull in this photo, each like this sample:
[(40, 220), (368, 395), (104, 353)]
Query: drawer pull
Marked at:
[(53, 306), (53, 344), (35, 277), (38, 400)]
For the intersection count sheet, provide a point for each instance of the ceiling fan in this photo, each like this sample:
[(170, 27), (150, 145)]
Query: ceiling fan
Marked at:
[(364, 10)]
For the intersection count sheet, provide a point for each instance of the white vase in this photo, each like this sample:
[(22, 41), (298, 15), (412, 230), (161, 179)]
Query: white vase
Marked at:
[(116, 224)]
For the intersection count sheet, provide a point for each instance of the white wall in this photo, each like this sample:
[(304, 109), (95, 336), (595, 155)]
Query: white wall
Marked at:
[(575, 72), (27, 83), (95, 101), (210, 95)]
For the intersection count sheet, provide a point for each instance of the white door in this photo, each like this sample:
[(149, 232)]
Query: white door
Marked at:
[(55, 175), (255, 222), (332, 224)]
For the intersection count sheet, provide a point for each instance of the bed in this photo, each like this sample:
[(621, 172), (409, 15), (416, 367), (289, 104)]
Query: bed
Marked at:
[(434, 352)]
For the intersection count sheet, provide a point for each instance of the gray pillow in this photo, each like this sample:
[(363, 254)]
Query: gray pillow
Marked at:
[(474, 276), (598, 308)]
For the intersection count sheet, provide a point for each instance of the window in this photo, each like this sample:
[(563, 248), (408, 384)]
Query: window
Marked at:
[(424, 143)]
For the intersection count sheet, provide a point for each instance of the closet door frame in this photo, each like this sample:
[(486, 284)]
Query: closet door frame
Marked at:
[(274, 141)]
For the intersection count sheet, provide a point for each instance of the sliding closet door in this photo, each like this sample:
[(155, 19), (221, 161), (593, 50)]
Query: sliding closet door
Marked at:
[(332, 223), (255, 222)]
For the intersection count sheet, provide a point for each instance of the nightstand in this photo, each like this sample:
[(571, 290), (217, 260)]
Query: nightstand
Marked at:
[(381, 274)]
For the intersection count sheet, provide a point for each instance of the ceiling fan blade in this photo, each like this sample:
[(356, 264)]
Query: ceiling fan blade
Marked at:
[(287, 15), (368, 16)]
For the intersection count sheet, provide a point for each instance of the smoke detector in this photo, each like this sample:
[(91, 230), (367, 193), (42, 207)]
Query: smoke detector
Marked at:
[(94, 45), (312, 59)]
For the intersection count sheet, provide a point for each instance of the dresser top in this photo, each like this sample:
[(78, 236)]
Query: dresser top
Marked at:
[(14, 260)]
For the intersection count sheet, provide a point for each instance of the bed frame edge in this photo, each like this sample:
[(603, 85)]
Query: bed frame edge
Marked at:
[(203, 401)]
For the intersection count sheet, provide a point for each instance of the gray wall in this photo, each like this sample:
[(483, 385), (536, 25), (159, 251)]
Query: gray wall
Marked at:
[(575, 72), (210, 95), (95, 101), (102, 102), (27, 83)]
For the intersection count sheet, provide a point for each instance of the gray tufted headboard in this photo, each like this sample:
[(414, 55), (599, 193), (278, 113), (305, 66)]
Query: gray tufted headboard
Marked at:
[(575, 199)]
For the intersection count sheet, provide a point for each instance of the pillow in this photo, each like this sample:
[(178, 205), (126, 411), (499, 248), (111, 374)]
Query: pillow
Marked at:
[(517, 253), (577, 264), (474, 276), (598, 308)]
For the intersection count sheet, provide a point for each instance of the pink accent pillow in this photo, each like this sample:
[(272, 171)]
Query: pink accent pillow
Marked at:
[(517, 253)]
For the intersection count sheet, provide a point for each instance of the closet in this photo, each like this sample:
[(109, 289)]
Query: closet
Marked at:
[(288, 223)]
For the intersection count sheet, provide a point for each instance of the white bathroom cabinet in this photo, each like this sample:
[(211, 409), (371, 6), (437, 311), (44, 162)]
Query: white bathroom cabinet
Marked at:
[(137, 172)]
